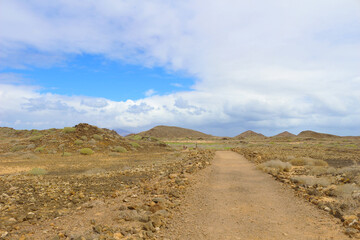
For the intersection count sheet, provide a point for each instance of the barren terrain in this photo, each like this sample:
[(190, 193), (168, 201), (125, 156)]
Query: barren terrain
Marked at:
[(233, 200), (84, 182)]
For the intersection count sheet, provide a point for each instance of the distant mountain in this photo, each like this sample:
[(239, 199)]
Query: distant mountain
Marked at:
[(285, 134), (312, 134), (122, 132), (250, 134), (174, 132)]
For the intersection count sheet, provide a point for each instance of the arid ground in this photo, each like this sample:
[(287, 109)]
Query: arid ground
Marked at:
[(90, 183)]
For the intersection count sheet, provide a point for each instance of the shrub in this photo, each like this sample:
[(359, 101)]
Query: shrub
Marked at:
[(37, 171), (318, 170), (84, 138), (17, 148), (86, 151), (136, 137), (39, 149), (306, 161), (78, 142), (69, 129), (97, 137), (346, 189), (311, 180), (119, 149), (66, 154), (135, 145), (36, 137), (277, 164)]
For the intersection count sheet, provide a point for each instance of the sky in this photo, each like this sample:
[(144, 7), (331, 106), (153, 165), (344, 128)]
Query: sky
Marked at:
[(221, 67)]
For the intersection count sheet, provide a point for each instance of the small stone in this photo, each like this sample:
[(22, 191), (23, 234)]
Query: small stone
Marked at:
[(97, 229), (30, 215), (173, 176), (3, 234), (118, 236)]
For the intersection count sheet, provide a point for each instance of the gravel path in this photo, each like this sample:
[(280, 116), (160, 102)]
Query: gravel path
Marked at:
[(233, 200)]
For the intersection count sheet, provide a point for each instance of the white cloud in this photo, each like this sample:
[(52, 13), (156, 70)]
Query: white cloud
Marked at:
[(266, 65), (150, 92)]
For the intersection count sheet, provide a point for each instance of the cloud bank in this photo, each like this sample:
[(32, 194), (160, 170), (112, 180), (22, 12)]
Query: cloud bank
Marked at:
[(263, 65)]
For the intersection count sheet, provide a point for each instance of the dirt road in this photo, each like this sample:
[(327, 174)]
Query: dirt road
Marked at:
[(233, 200)]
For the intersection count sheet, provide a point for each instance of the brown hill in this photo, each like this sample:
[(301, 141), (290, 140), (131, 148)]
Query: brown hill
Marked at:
[(312, 134), (285, 134), (250, 134), (69, 139), (173, 132)]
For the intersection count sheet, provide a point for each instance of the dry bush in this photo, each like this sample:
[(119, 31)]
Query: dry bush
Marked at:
[(36, 137), (346, 190), (350, 172), (119, 149), (306, 161), (78, 142), (39, 149), (84, 138), (317, 171), (277, 164), (97, 137), (311, 181)]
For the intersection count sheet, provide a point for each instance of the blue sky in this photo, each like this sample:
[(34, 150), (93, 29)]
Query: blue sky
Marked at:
[(95, 76), (222, 67)]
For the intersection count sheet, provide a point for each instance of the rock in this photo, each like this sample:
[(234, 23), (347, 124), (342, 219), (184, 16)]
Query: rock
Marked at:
[(164, 213), (129, 215), (118, 236), (149, 227), (351, 231), (97, 229), (30, 215), (173, 175), (3, 234), (156, 220), (350, 220), (158, 200)]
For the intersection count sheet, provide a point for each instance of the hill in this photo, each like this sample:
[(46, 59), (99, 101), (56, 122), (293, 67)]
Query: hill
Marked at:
[(312, 134), (173, 132), (69, 139), (285, 134), (250, 134)]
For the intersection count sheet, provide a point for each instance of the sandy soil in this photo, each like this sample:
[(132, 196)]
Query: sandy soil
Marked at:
[(233, 200)]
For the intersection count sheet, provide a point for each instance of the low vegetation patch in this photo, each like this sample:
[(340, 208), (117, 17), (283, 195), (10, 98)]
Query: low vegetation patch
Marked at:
[(39, 149), (86, 151), (306, 161), (119, 149), (78, 142), (66, 154), (35, 138), (97, 137), (17, 148), (37, 171), (69, 129), (276, 164), (311, 181), (135, 144)]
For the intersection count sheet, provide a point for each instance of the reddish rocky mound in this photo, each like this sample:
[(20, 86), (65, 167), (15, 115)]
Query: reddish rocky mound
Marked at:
[(174, 132), (312, 134), (250, 134), (285, 134)]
